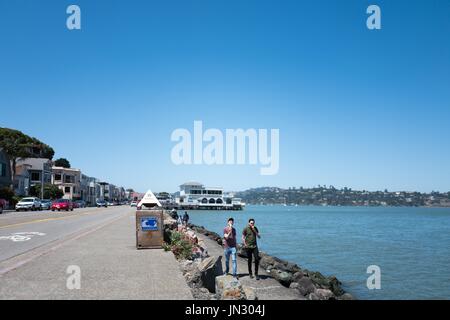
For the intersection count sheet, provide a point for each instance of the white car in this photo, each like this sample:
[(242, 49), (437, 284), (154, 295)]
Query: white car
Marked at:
[(134, 204), (29, 204)]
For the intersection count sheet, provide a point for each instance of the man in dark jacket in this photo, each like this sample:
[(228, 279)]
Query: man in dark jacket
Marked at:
[(185, 218), (249, 239)]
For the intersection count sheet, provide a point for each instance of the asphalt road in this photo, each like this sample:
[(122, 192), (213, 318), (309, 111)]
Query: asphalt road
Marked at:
[(39, 249), (21, 232)]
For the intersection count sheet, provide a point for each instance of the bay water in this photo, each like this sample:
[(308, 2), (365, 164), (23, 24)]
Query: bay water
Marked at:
[(411, 246)]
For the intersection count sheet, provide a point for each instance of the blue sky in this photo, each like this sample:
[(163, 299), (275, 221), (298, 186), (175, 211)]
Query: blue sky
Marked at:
[(358, 108)]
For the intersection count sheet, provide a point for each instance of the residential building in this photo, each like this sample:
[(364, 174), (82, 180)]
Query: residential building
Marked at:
[(90, 189), (5, 170), (39, 171), (69, 181), (22, 180), (106, 191), (121, 194)]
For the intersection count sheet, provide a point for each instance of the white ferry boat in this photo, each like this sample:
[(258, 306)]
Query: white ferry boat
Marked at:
[(195, 196)]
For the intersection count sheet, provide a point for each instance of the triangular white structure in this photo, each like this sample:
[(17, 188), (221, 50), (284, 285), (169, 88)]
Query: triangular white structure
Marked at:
[(149, 200)]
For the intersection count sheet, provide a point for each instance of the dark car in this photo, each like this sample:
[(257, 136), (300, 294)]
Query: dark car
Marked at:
[(62, 204), (80, 204)]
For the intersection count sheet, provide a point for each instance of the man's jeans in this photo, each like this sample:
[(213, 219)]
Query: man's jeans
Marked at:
[(232, 252)]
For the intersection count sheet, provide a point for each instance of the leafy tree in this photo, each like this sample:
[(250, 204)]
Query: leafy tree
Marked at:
[(6, 193), (62, 162), (18, 145), (50, 191)]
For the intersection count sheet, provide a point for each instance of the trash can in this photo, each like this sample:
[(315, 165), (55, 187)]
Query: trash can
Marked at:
[(149, 229)]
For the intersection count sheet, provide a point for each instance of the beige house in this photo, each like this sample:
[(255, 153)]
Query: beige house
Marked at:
[(69, 181)]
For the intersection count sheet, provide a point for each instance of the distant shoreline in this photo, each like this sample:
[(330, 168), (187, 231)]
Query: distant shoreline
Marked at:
[(330, 196), (346, 206)]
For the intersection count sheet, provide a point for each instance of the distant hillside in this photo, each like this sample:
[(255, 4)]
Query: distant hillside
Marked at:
[(342, 197)]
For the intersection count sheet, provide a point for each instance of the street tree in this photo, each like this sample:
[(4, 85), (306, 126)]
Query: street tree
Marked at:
[(62, 162), (50, 191), (17, 145)]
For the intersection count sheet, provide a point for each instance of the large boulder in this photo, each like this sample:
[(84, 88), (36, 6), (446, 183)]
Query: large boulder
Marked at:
[(335, 286), (324, 294), (313, 296), (210, 268), (293, 267), (229, 288), (319, 279), (297, 276), (294, 285), (194, 278), (267, 262), (202, 294), (306, 286), (250, 294), (282, 267), (346, 296), (285, 278), (241, 252), (186, 266)]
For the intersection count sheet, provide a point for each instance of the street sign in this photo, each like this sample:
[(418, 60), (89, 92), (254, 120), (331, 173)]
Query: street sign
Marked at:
[(149, 224)]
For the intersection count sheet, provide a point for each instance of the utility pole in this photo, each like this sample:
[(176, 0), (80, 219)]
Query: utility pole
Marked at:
[(42, 181)]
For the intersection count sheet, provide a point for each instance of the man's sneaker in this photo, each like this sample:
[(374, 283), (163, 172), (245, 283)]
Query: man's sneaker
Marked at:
[(236, 277), (258, 278), (251, 276)]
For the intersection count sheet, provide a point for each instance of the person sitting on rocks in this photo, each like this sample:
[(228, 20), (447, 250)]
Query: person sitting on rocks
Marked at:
[(229, 245)]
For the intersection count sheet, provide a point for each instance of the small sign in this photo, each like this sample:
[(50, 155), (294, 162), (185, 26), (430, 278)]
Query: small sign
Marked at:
[(149, 224)]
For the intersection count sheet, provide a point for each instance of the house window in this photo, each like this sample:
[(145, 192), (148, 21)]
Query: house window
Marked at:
[(35, 176), (57, 177), (67, 189), (69, 179)]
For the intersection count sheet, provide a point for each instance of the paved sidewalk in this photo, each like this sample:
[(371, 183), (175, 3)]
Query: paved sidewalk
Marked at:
[(111, 268), (266, 289)]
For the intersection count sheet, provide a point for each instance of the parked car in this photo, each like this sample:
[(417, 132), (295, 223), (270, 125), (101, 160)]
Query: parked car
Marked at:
[(110, 203), (62, 204), (102, 203), (46, 204), (30, 203), (3, 205), (80, 204), (134, 204)]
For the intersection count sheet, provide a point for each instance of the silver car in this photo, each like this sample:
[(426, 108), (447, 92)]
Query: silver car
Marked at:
[(29, 204), (46, 204)]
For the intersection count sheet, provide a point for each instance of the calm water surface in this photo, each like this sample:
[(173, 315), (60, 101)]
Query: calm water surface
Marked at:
[(410, 245)]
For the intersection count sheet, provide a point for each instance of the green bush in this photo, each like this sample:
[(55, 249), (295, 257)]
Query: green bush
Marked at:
[(6, 193), (180, 246), (14, 201)]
